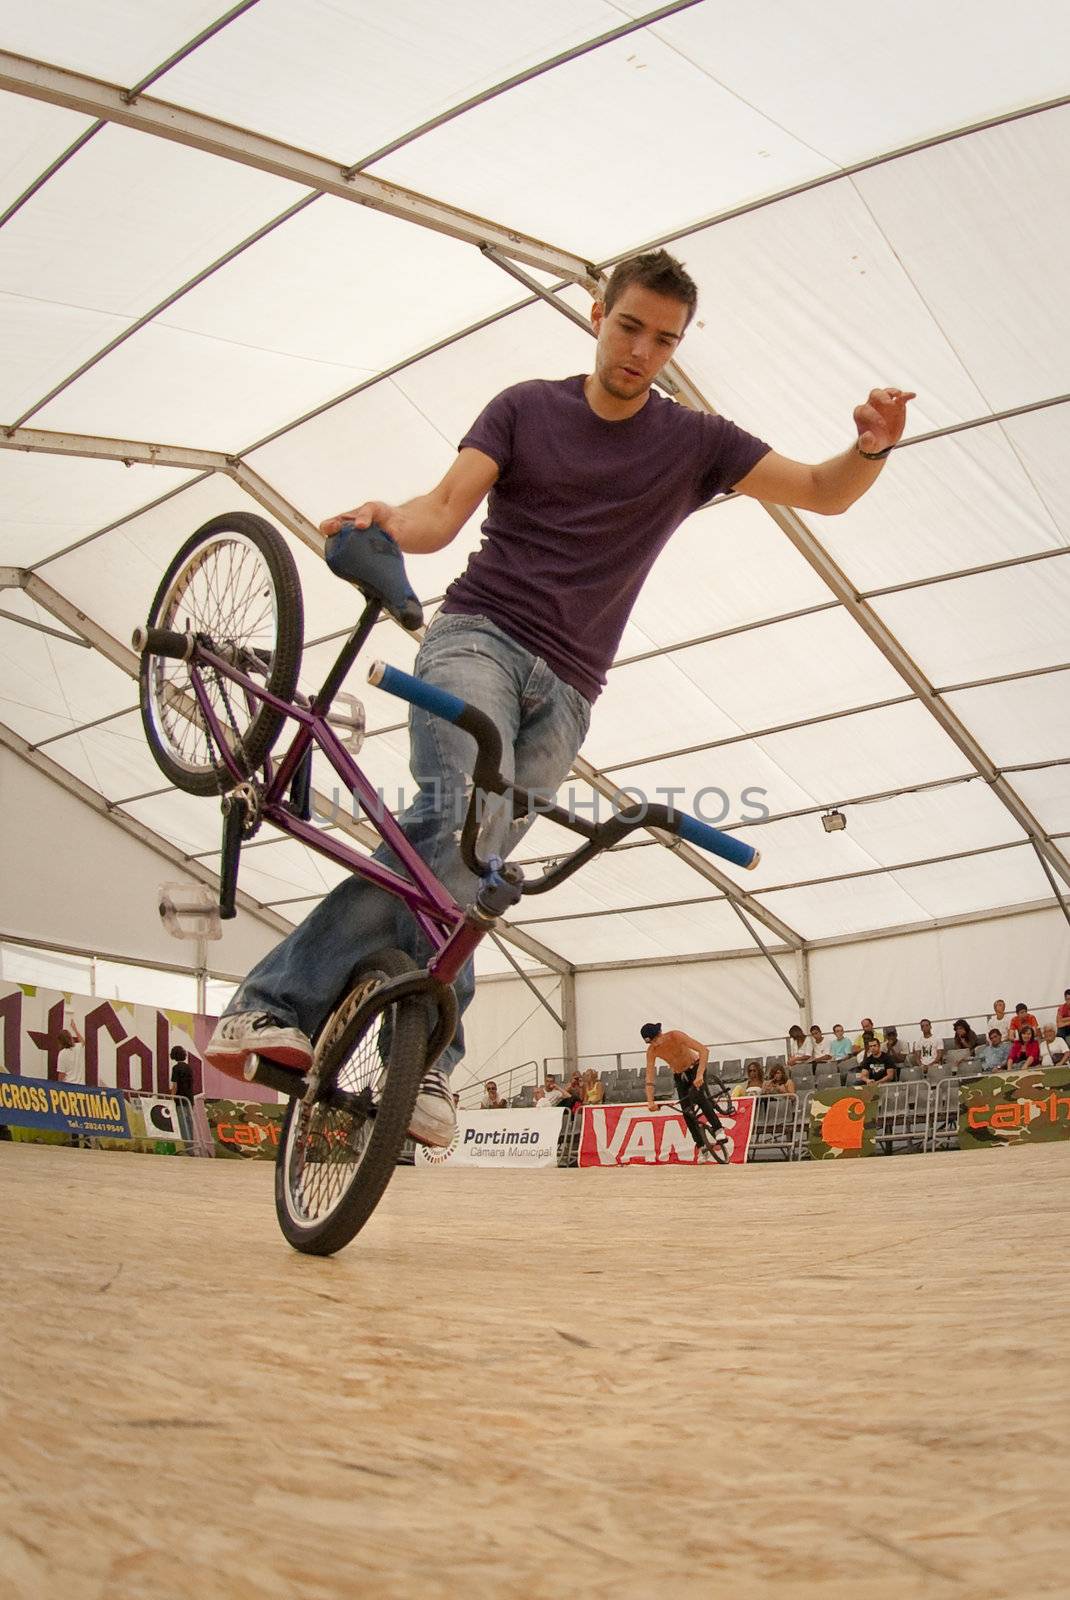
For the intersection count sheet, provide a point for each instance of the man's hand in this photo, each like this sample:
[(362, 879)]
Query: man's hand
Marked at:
[(880, 420), (650, 1104), (363, 517)]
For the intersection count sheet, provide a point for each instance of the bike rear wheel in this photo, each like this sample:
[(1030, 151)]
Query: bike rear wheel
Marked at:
[(234, 586), (338, 1151)]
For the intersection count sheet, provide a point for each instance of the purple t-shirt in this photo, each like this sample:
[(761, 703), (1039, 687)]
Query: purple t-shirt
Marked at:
[(580, 511)]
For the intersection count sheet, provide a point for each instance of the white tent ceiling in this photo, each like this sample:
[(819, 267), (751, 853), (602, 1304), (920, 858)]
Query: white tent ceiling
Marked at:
[(213, 296)]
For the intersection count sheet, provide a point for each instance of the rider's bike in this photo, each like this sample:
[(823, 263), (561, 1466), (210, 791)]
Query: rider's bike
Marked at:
[(710, 1140), (220, 659)]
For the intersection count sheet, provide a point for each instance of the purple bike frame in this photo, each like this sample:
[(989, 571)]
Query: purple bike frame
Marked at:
[(452, 935)]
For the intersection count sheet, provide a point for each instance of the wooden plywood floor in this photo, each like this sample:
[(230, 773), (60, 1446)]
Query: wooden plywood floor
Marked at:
[(837, 1380)]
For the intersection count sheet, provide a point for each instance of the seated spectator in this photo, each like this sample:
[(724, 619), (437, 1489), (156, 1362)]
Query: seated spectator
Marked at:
[(1023, 1018), (876, 1066), (840, 1047), (1053, 1050), (820, 1046), (868, 1032), (1025, 1049), (552, 1092), (778, 1082), (893, 1048), (998, 1015), (754, 1082), (594, 1090), (492, 1100), (574, 1090), (965, 1038), (1062, 1017), (993, 1055), (800, 1046), (927, 1051)]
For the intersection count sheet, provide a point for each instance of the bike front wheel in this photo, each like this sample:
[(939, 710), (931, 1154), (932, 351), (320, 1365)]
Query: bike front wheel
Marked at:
[(339, 1149), (233, 586)]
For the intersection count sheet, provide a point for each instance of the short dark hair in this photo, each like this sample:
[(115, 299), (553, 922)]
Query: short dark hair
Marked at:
[(656, 270), (177, 1053)]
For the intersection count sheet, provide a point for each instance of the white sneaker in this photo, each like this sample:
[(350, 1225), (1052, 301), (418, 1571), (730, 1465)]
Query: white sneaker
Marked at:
[(434, 1118), (249, 1033)]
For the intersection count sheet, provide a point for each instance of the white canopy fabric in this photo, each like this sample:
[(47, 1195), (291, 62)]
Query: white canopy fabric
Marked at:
[(213, 298)]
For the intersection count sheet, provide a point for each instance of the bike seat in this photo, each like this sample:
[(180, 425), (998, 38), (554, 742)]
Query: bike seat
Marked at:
[(369, 558)]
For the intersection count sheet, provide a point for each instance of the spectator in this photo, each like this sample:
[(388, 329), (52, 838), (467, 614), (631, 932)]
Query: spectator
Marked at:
[(868, 1032), (1025, 1050), (1053, 1050), (876, 1066), (755, 1081), (840, 1047), (893, 1048), (552, 1092), (70, 1062), (928, 1051), (492, 1100), (594, 1090), (574, 1091), (800, 1048), (1062, 1017), (1023, 1018), (998, 1015), (993, 1055), (820, 1046), (965, 1038), (181, 1074), (778, 1082)]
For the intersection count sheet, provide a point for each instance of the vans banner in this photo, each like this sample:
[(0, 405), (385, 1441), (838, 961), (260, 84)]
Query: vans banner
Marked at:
[(628, 1136)]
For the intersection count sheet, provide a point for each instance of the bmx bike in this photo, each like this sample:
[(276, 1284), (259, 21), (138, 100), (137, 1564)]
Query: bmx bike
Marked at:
[(220, 659), (720, 1097)]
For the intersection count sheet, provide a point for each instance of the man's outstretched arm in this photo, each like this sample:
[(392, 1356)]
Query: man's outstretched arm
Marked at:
[(832, 486), (430, 521)]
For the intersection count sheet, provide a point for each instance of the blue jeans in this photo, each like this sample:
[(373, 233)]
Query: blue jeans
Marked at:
[(542, 721)]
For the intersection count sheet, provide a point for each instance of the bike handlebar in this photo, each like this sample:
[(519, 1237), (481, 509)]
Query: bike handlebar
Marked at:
[(487, 775)]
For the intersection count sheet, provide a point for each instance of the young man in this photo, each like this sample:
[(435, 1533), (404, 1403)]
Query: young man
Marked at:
[(687, 1059), (877, 1066), (928, 1051), (840, 1047), (587, 478), (993, 1055)]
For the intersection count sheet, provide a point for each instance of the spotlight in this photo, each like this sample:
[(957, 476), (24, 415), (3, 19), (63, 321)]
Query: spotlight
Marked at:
[(834, 822)]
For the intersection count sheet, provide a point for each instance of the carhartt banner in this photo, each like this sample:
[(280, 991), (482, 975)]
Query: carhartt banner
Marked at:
[(632, 1136), (1015, 1108), (63, 1107), (244, 1129), (842, 1123), (500, 1139), (161, 1118)]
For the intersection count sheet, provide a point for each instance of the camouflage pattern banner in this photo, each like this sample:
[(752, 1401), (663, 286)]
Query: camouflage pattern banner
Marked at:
[(1015, 1108), (843, 1122), (244, 1130)]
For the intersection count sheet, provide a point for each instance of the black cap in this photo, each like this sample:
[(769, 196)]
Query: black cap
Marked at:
[(650, 1030)]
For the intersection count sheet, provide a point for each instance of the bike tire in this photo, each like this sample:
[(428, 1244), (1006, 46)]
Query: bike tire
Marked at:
[(321, 1211), (234, 559)]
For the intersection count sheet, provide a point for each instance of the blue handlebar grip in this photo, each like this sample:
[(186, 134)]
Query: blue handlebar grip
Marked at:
[(438, 701), (716, 842)]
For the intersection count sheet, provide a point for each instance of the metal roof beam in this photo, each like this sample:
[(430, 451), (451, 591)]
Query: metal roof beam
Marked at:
[(94, 98)]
